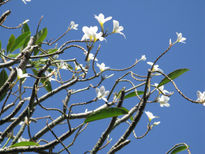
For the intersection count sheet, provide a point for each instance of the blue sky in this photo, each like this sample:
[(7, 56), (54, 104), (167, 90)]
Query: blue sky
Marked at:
[(148, 26)]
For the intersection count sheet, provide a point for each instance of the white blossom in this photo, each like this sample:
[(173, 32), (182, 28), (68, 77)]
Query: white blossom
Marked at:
[(156, 123), (73, 25), (63, 65), (26, 1), (117, 28), (91, 57), (150, 115), (101, 19), (102, 67), (180, 38), (27, 20), (90, 33), (78, 66), (50, 74), (20, 74), (21, 139), (170, 41), (155, 68), (143, 58), (161, 89), (101, 93), (201, 97), (163, 100)]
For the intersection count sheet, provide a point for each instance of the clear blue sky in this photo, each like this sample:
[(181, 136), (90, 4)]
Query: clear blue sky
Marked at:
[(148, 26)]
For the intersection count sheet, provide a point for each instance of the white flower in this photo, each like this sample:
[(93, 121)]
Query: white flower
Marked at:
[(156, 123), (90, 33), (170, 41), (91, 57), (63, 65), (20, 74), (161, 89), (26, 21), (86, 110), (79, 66), (21, 139), (180, 38), (26, 1), (150, 115), (117, 28), (155, 68), (143, 58), (163, 100), (73, 25), (50, 74), (101, 93), (101, 19), (201, 97), (102, 67)]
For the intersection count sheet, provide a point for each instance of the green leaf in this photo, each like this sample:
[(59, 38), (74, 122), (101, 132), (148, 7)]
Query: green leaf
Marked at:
[(133, 94), (47, 84), (41, 35), (13, 55), (20, 41), (10, 42), (172, 75), (25, 28), (24, 143), (25, 42), (106, 113), (179, 149), (3, 77), (50, 51)]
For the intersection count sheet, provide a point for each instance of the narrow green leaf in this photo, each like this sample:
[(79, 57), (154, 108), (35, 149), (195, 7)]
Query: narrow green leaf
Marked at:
[(51, 50), (173, 75), (25, 28), (41, 35), (25, 42), (179, 149), (24, 143), (133, 94), (3, 77), (13, 55), (20, 41), (10, 42), (106, 113)]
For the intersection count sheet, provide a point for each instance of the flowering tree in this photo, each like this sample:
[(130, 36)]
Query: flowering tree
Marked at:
[(33, 71)]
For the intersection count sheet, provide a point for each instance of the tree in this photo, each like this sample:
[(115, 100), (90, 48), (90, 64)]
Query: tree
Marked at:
[(30, 65)]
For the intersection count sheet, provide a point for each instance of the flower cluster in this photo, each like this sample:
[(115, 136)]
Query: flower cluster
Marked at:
[(180, 39), (91, 33)]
